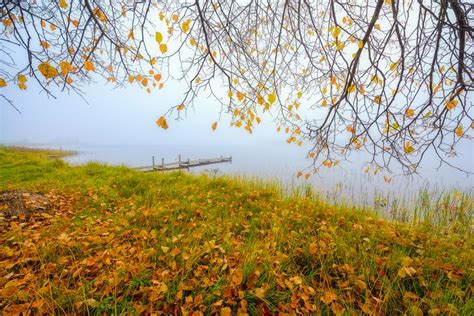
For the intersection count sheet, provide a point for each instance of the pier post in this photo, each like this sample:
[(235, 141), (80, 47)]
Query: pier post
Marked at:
[(153, 162), (163, 164), (230, 159), (179, 160), (188, 164)]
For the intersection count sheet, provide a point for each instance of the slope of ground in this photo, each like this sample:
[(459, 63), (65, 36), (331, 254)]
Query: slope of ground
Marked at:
[(96, 239)]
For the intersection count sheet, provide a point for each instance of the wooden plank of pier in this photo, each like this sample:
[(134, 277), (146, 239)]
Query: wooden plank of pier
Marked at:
[(187, 164)]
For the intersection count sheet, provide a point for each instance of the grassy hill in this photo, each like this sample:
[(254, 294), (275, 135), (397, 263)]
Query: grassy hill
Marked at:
[(97, 239)]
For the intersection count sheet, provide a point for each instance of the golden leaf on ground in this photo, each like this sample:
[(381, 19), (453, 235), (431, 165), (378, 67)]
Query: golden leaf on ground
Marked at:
[(226, 311), (175, 252), (260, 293), (328, 297), (237, 277), (313, 248), (406, 271)]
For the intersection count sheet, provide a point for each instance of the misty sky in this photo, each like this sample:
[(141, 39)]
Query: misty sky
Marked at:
[(123, 116)]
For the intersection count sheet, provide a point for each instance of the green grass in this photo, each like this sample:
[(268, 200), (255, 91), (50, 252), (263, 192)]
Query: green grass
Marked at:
[(121, 241)]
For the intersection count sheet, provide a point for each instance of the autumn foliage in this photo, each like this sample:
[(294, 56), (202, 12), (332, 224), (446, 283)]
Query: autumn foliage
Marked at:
[(108, 240)]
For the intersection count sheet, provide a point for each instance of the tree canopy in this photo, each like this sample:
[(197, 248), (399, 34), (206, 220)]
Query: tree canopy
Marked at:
[(391, 78)]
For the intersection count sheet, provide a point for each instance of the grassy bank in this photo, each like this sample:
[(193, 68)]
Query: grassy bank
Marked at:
[(98, 239)]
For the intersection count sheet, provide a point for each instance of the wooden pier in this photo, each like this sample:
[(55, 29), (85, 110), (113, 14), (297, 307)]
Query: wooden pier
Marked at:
[(182, 164)]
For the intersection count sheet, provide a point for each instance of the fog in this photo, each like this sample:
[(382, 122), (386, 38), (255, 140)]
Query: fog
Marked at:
[(117, 126)]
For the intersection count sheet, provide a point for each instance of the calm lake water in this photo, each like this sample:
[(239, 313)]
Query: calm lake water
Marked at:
[(281, 162)]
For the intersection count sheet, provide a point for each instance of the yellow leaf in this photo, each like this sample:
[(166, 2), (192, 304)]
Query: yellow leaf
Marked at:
[(378, 99), (163, 288), (175, 17), (180, 107), (157, 77), (89, 66), (65, 67), (158, 37), (459, 131), (47, 70), (361, 284), (163, 48), (406, 271), (324, 90), (22, 78), (336, 32), (408, 148), (226, 311), (260, 292), (361, 44), (175, 251), (328, 297), (299, 94), (145, 82), (410, 112), (393, 66), (214, 126), (451, 104), (185, 26), (44, 44), (100, 14), (351, 88), (161, 122), (237, 277), (3, 83), (271, 98)]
